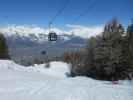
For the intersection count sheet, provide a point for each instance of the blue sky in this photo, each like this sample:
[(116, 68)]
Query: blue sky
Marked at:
[(40, 12)]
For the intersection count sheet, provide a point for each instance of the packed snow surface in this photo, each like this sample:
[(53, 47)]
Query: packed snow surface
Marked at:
[(40, 83)]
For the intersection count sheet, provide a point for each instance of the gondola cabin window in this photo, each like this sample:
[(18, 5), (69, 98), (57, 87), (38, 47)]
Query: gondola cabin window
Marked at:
[(52, 36)]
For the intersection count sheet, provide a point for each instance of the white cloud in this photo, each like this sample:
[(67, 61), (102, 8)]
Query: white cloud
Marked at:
[(85, 31), (22, 29), (78, 30)]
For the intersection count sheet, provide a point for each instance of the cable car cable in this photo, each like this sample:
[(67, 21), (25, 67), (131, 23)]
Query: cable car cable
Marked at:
[(52, 35), (60, 11), (85, 11)]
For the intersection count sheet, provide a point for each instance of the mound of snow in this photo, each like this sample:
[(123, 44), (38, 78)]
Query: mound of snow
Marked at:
[(56, 69), (6, 64)]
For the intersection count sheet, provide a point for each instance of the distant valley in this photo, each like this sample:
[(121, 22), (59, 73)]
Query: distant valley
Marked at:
[(32, 46)]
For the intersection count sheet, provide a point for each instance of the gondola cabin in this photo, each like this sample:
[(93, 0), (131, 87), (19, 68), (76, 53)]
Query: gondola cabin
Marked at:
[(52, 36)]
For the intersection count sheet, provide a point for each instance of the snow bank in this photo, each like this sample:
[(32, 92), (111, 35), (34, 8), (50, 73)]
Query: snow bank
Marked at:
[(6, 64), (20, 83), (56, 69)]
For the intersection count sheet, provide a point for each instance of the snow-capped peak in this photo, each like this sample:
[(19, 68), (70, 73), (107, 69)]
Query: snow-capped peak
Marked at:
[(77, 30), (33, 33)]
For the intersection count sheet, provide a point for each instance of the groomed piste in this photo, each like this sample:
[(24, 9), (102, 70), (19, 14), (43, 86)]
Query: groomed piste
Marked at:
[(40, 83)]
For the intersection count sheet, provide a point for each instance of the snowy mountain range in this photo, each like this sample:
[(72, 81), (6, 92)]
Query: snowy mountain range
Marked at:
[(30, 35), (77, 30), (18, 40), (23, 45), (34, 34), (27, 36), (28, 41)]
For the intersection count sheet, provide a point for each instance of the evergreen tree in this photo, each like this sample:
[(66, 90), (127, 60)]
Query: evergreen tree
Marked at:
[(130, 39), (89, 58), (129, 50), (111, 51), (3, 48), (107, 58)]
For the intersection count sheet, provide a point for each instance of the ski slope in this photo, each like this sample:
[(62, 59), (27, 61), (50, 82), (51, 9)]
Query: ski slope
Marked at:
[(40, 83)]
